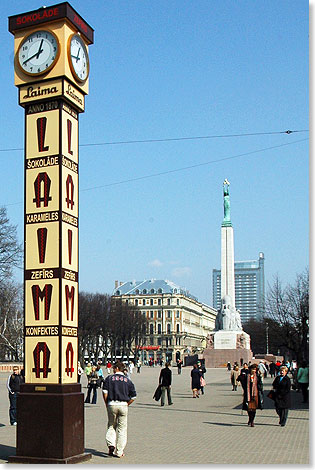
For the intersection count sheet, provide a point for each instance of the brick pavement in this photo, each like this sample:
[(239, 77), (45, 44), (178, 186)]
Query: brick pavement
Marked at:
[(209, 430)]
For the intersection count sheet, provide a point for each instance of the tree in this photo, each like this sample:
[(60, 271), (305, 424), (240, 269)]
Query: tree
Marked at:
[(11, 322), (10, 249), (288, 308)]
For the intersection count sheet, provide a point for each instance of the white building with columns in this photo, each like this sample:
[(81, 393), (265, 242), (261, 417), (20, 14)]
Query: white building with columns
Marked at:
[(178, 324)]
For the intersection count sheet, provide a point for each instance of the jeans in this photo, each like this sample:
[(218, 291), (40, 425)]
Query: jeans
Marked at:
[(12, 409), (283, 415), (88, 397), (169, 397), (116, 434)]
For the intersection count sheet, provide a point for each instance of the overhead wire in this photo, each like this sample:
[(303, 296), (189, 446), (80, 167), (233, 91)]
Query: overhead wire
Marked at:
[(174, 139)]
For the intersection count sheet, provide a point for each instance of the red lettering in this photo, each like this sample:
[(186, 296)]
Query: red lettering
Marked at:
[(37, 16), (79, 22)]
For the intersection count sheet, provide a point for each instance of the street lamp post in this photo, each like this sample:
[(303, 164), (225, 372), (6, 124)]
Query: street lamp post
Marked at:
[(267, 338)]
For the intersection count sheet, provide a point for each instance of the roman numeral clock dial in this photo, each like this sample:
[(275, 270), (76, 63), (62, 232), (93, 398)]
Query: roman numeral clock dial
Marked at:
[(38, 52), (78, 58)]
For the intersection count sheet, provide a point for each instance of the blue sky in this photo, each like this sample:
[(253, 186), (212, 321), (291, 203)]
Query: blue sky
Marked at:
[(172, 69)]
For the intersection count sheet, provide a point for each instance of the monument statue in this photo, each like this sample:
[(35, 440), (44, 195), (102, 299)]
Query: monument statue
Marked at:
[(228, 318), (226, 201)]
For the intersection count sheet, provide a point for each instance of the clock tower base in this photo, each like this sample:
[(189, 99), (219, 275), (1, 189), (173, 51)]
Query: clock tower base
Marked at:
[(56, 436)]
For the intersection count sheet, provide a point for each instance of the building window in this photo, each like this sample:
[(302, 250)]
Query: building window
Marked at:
[(152, 291), (159, 291), (159, 302), (159, 341), (136, 301), (159, 328), (168, 301), (143, 302), (127, 301), (137, 292), (168, 328), (151, 301), (144, 291), (177, 301), (117, 292), (177, 328), (159, 314), (177, 313), (169, 314), (151, 314), (151, 329)]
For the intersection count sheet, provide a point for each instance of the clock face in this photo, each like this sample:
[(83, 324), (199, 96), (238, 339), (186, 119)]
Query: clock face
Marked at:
[(78, 58), (38, 52)]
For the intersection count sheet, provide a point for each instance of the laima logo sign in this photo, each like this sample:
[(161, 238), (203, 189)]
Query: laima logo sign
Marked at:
[(42, 185)]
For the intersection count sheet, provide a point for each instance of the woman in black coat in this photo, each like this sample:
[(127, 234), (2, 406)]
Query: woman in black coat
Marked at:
[(282, 387), (195, 374)]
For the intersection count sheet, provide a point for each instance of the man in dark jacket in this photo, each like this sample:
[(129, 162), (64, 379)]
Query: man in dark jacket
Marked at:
[(13, 386), (165, 381), (118, 393)]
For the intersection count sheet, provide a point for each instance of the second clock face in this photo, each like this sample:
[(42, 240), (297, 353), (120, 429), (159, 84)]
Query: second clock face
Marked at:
[(78, 58), (38, 52)]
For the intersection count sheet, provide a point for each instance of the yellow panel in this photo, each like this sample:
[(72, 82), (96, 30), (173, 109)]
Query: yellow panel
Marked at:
[(69, 191), (69, 359), (41, 359), (70, 136), (69, 303), (42, 301), (70, 250), (42, 246), (42, 188), (42, 134)]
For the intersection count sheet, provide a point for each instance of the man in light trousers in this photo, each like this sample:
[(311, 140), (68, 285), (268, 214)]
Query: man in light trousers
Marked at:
[(118, 393)]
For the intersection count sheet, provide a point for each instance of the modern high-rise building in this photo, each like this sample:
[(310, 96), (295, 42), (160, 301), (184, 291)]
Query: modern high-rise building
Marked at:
[(249, 287)]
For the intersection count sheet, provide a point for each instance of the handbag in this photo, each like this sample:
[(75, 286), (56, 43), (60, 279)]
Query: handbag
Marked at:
[(202, 382), (157, 393), (271, 395)]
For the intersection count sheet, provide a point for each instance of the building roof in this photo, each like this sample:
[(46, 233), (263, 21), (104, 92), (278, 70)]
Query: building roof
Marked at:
[(150, 287)]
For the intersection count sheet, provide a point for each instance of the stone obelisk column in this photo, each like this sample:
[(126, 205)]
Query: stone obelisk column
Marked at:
[(227, 249)]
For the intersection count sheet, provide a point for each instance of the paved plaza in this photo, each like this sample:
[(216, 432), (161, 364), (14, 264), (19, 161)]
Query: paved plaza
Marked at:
[(209, 430)]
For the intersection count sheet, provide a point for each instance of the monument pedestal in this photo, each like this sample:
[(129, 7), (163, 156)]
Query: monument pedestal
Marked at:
[(50, 425), (227, 346)]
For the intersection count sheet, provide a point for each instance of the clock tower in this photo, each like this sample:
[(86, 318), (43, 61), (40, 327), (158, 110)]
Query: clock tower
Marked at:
[(51, 71)]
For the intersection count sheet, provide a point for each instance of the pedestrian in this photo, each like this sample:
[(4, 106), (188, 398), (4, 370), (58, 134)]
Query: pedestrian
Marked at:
[(195, 380), (130, 367), (262, 369), (179, 366), (138, 366), (253, 397), (278, 365), (118, 394), (272, 369), (88, 370), (92, 386), (303, 380), (242, 378), (282, 387), (229, 366), (80, 372), (13, 385), (165, 380), (234, 376), (108, 366), (203, 370), (100, 376)]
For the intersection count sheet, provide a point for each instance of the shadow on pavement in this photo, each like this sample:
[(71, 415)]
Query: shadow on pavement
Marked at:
[(6, 451), (98, 453)]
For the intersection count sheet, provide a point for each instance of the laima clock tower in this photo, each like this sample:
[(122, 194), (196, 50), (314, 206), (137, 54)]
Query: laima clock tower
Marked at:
[(51, 71)]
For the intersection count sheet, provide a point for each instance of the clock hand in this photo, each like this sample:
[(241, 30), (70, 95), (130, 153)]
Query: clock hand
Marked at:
[(40, 50), (32, 57), (75, 57), (78, 58)]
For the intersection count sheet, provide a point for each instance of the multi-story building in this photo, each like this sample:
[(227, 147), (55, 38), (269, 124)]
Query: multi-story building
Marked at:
[(177, 323), (249, 287)]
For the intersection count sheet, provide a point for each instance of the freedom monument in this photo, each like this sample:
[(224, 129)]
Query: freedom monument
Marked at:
[(228, 342)]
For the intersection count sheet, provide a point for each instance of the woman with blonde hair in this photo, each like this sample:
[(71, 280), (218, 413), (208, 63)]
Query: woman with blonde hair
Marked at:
[(282, 387)]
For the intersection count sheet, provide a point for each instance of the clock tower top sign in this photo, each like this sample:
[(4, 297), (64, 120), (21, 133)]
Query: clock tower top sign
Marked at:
[(49, 43)]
